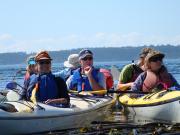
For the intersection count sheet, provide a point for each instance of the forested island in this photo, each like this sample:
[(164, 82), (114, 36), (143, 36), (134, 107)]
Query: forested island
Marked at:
[(100, 54)]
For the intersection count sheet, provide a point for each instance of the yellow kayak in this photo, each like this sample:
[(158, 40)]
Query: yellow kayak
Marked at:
[(163, 105)]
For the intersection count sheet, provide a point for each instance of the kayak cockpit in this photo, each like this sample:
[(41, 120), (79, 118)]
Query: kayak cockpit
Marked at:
[(8, 107)]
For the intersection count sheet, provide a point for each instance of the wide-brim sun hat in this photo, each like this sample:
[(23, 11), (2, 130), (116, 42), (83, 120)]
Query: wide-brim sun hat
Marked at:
[(43, 55), (73, 61), (144, 52)]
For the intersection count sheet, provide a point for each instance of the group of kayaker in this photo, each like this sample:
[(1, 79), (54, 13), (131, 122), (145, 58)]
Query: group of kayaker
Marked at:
[(80, 75), (52, 88), (148, 74)]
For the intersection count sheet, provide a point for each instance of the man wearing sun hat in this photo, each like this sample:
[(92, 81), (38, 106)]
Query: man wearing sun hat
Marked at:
[(70, 65), (50, 89), (87, 77)]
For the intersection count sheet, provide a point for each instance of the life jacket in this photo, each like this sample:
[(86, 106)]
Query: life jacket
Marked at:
[(136, 72), (108, 77), (156, 81), (47, 88), (81, 82), (69, 73)]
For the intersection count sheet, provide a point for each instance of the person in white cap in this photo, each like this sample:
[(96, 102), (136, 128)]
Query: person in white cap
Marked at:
[(70, 65)]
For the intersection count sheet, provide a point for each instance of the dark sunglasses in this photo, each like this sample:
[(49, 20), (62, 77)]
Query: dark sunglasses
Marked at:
[(155, 59), (44, 62), (87, 58)]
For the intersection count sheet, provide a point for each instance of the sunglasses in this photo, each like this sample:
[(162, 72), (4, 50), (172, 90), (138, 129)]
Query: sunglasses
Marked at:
[(44, 62), (87, 58), (155, 59)]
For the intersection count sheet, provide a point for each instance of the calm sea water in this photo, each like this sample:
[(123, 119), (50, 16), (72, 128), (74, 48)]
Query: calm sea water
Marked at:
[(8, 72), (114, 121)]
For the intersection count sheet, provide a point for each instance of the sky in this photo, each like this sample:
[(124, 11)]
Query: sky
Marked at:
[(34, 25)]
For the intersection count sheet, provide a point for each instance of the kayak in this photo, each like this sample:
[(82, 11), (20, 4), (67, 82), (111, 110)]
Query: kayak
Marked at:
[(163, 105), (23, 117)]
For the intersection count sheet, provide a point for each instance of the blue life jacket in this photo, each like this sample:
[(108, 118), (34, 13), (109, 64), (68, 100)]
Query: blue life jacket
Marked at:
[(81, 82), (69, 72), (47, 87)]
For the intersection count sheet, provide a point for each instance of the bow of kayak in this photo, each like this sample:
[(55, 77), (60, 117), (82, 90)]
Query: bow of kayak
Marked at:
[(163, 105)]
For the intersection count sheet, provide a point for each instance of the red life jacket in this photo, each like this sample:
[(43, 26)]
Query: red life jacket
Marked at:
[(108, 77), (161, 81)]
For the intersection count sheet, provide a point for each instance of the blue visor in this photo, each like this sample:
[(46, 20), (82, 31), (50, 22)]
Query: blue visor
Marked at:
[(31, 62)]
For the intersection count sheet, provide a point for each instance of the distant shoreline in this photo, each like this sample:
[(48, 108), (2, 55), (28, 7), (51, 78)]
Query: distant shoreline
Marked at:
[(100, 54)]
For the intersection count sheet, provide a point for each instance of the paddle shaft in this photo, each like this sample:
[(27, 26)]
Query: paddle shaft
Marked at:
[(127, 92)]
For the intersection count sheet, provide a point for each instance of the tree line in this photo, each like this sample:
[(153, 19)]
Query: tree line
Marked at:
[(100, 54)]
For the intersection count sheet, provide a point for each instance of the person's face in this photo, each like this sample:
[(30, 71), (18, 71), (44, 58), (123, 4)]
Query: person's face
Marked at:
[(141, 61), (44, 66), (155, 63), (86, 61), (32, 68)]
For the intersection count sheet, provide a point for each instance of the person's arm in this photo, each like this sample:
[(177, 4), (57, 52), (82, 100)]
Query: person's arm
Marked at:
[(125, 77), (102, 80), (138, 83), (94, 84), (71, 83), (23, 91), (61, 74), (124, 86), (57, 101)]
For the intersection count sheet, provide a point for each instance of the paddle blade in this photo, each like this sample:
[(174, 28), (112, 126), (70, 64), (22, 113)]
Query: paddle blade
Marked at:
[(33, 96), (115, 73)]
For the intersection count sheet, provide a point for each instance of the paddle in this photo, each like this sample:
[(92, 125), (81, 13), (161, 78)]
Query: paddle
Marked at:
[(103, 92), (115, 73)]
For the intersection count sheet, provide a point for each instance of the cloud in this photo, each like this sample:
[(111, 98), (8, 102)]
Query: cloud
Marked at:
[(8, 43), (4, 37)]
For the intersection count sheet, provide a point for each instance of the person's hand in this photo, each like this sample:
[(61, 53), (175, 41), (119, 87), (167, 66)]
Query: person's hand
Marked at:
[(88, 70), (56, 101), (49, 101), (131, 84)]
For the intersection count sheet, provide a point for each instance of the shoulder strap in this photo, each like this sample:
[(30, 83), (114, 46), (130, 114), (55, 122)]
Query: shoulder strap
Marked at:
[(136, 68)]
